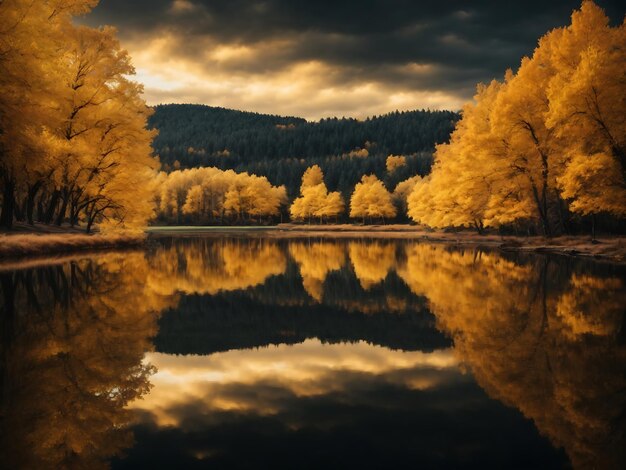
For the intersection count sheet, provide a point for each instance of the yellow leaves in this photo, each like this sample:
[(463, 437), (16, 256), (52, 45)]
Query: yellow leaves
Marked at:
[(593, 184), (394, 162), (371, 199), (520, 146), (315, 200), (312, 177), (68, 102), (205, 193)]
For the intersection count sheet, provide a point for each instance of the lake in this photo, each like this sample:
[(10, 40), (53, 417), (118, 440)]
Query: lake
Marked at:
[(248, 352)]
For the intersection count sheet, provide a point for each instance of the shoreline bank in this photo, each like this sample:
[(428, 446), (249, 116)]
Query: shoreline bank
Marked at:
[(36, 245), (607, 248)]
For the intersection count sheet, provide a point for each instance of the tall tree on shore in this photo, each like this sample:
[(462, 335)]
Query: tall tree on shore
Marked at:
[(588, 112), (32, 36), (73, 138), (548, 141)]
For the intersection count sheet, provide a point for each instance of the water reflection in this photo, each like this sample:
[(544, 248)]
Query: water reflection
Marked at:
[(413, 352), (73, 339)]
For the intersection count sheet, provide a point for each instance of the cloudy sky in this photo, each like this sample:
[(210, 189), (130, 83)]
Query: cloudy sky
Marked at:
[(319, 58)]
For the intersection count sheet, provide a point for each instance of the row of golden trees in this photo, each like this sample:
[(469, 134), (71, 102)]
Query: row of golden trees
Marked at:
[(548, 141), (73, 140), (210, 195), (370, 199)]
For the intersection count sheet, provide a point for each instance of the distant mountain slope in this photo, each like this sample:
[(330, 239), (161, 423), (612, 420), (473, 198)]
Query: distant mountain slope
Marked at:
[(282, 147)]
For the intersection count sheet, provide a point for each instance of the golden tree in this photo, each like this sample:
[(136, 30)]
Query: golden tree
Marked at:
[(314, 199), (73, 125), (394, 162), (371, 199), (588, 112), (32, 46), (549, 139), (457, 191)]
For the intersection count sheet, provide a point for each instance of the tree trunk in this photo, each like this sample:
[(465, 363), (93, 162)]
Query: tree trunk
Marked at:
[(563, 215), (30, 201), (19, 210), (593, 227), (542, 207), (89, 224), (52, 205), (479, 227), (8, 203), (63, 209)]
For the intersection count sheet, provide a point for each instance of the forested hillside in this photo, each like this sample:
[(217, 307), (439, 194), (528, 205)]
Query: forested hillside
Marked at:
[(281, 148)]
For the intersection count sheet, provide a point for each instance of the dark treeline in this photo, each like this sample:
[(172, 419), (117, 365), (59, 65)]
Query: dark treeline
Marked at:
[(281, 148)]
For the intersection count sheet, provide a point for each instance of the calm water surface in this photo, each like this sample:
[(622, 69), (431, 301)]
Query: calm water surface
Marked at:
[(217, 352)]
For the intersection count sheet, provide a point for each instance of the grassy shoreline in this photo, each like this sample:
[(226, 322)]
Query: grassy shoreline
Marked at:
[(14, 246), (19, 245), (607, 248)]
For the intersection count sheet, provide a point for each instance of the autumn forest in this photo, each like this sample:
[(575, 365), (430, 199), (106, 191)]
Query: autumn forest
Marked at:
[(542, 151)]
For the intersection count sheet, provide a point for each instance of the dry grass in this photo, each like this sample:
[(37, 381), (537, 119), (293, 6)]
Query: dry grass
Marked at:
[(18, 245)]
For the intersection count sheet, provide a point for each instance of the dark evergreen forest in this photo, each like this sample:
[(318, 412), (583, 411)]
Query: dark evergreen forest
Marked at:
[(281, 148)]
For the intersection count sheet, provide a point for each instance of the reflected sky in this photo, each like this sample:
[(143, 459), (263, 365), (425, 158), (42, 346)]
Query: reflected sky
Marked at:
[(333, 405), (241, 352)]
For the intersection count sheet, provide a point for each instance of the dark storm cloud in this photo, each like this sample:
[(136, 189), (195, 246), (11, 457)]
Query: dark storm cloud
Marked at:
[(363, 41)]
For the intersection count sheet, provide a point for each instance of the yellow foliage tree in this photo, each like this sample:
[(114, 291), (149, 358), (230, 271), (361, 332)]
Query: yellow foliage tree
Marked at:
[(74, 141), (548, 139), (314, 199), (587, 111), (207, 194), (394, 162), (371, 199), (457, 191)]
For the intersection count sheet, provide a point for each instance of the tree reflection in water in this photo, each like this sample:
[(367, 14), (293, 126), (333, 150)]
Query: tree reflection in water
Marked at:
[(541, 334), (538, 335), (73, 339)]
